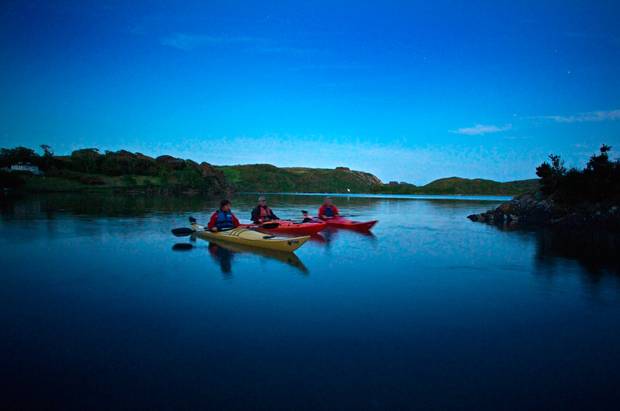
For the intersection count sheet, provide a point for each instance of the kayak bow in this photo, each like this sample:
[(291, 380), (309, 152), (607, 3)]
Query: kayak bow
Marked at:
[(340, 222)]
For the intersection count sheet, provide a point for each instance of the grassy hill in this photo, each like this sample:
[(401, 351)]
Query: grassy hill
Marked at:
[(269, 178), (88, 169), (457, 185)]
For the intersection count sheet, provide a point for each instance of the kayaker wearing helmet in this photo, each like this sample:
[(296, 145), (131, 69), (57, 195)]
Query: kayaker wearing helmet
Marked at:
[(223, 218), (262, 213), (328, 210)]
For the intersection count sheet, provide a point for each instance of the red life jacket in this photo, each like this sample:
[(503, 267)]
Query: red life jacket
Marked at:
[(265, 212)]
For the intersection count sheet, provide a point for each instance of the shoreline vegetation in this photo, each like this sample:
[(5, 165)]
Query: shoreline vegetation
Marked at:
[(90, 170), (584, 201)]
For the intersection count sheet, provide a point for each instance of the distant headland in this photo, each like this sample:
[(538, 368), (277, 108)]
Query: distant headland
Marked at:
[(89, 169)]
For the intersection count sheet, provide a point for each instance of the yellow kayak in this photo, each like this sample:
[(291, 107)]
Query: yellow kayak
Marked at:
[(251, 238)]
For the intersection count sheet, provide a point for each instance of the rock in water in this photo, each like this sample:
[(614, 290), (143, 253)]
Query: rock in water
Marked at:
[(536, 210)]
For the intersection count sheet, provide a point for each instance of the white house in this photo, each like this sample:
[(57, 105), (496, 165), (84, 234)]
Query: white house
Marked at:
[(25, 167)]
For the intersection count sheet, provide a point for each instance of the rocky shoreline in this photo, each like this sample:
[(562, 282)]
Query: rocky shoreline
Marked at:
[(536, 210)]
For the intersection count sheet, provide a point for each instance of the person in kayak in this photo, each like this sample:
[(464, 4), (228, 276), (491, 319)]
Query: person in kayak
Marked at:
[(306, 217), (262, 213), (328, 210), (223, 218)]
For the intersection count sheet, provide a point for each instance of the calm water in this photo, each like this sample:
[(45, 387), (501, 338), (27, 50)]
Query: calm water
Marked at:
[(99, 309)]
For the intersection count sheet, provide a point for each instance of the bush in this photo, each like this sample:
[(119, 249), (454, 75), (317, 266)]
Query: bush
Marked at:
[(599, 181)]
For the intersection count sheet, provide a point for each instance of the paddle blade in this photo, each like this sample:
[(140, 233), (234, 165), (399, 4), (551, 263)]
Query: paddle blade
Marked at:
[(182, 232)]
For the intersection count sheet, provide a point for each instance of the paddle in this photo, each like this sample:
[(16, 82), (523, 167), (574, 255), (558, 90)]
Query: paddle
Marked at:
[(184, 231), (339, 215), (269, 225), (263, 225)]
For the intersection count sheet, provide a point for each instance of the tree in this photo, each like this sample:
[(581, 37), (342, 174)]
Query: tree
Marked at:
[(600, 174), (86, 160), (551, 174), (47, 161), (598, 182), (10, 156), (47, 150)]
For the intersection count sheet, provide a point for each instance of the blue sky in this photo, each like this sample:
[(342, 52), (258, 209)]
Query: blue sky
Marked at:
[(410, 91)]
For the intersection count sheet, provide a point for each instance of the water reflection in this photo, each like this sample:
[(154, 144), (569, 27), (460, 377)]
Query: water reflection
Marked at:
[(86, 285), (330, 234), (100, 204), (418, 223), (224, 255), (318, 238), (596, 253), (182, 247)]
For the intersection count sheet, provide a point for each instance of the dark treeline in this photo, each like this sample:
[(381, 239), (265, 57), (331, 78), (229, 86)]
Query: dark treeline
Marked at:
[(583, 201), (598, 182), (89, 166), (11, 156)]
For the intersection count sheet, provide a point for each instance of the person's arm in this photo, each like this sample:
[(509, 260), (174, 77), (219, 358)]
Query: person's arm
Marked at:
[(255, 215), (212, 221), (273, 215), (235, 220), (336, 211), (321, 211)]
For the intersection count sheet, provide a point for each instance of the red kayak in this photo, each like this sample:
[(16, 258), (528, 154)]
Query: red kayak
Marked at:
[(341, 222), (288, 227)]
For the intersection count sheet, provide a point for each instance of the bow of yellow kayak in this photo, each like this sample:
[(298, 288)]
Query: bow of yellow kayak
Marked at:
[(251, 238)]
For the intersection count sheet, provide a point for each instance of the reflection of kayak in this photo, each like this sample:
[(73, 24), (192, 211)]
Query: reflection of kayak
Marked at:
[(289, 227), (285, 257), (251, 238), (318, 238), (341, 222)]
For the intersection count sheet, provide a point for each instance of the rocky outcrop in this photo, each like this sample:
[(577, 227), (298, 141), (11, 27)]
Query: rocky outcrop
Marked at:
[(367, 178), (536, 210), (216, 178)]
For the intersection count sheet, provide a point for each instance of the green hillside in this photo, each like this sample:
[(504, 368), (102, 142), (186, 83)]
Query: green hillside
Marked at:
[(268, 178), (457, 185), (89, 169)]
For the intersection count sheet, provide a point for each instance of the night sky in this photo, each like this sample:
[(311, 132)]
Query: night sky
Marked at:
[(410, 91)]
